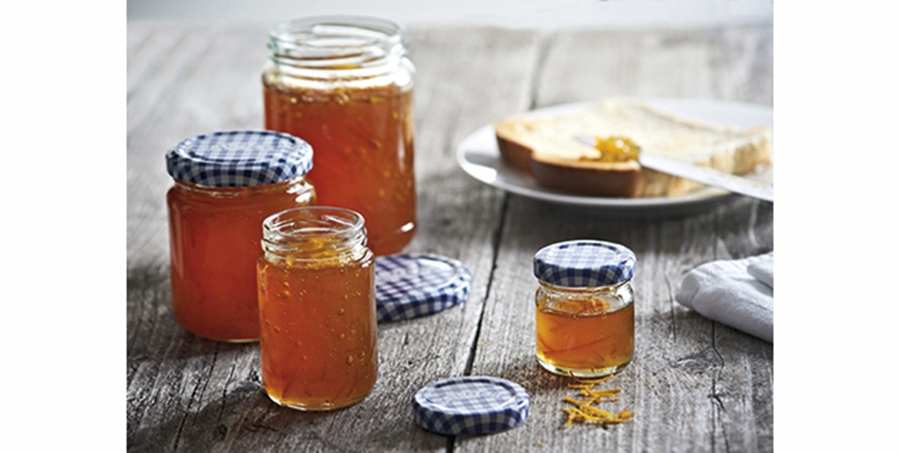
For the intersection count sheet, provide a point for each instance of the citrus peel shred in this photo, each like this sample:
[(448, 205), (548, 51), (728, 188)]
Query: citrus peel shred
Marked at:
[(586, 411)]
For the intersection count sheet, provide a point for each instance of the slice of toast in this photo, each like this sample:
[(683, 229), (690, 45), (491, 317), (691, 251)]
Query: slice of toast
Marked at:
[(547, 148)]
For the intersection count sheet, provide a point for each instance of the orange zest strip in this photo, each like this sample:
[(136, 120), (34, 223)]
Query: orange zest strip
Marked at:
[(586, 411)]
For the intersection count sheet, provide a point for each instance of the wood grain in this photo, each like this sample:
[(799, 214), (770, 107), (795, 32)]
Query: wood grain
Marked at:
[(695, 385), (187, 394)]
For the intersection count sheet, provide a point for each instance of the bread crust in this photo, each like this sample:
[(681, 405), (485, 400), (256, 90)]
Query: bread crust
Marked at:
[(587, 179), (514, 153)]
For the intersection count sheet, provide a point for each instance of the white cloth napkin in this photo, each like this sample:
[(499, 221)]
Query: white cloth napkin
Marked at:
[(737, 293)]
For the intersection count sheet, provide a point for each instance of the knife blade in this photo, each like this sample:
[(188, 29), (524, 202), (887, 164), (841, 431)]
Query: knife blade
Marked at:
[(708, 176)]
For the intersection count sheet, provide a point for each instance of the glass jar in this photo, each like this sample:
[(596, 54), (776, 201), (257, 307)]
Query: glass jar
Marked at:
[(316, 281), (226, 183), (584, 317), (344, 84)]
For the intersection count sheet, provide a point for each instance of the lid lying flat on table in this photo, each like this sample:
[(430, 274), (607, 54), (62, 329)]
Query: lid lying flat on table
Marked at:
[(470, 405), (410, 286), (584, 263), (239, 159)]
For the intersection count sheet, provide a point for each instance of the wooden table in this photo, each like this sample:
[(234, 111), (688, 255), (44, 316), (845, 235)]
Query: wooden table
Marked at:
[(695, 385)]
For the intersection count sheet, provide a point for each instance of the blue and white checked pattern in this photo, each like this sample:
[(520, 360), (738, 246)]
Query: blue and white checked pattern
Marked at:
[(470, 405), (584, 263), (239, 159), (410, 286)]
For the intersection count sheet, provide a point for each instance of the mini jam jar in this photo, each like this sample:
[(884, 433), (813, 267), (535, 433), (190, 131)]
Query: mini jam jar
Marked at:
[(316, 280), (584, 317), (226, 183)]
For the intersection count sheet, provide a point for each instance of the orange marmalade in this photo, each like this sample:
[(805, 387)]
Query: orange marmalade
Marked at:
[(584, 317), (215, 227), (616, 149), (345, 86), (316, 288), (581, 335)]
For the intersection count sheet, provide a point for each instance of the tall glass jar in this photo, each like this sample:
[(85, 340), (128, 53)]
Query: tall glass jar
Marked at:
[(226, 183), (316, 284), (584, 317), (345, 84)]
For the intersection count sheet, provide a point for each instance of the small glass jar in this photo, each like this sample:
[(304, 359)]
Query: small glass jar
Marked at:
[(584, 317), (345, 85), (226, 183), (316, 280)]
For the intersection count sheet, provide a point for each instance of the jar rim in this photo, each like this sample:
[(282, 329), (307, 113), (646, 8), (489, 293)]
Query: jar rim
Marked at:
[(367, 24), (313, 220), (315, 233), (353, 46)]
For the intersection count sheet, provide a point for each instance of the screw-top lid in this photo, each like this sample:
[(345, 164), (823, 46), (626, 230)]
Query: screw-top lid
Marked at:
[(239, 159), (584, 263), (470, 405), (409, 286)]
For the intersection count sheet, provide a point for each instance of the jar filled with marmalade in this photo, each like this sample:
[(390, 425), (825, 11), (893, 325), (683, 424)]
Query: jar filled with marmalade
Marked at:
[(226, 183), (316, 280), (584, 321), (345, 85)]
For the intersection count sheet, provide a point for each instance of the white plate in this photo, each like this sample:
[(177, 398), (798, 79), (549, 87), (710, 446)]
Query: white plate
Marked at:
[(478, 156)]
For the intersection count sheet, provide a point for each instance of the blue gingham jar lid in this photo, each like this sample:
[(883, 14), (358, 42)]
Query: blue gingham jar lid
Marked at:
[(584, 263), (239, 159), (414, 285), (470, 405)]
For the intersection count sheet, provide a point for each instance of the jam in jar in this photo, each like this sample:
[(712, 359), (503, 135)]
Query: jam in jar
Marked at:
[(316, 280), (584, 321), (226, 183), (344, 84)]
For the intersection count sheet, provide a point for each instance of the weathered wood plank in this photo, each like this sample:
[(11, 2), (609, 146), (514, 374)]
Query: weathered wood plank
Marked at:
[(171, 373), (595, 64), (694, 385), (188, 394), (742, 387)]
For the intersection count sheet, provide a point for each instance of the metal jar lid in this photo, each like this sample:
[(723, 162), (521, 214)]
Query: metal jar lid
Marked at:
[(584, 263), (414, 285), (470, 405), (239, 159)]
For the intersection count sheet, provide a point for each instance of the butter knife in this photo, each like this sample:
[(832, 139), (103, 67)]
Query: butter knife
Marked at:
[(708, 176)]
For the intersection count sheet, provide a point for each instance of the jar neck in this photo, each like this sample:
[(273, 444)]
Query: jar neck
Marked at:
[(296, 186), (314, 236), (556, 290), (337, 47)]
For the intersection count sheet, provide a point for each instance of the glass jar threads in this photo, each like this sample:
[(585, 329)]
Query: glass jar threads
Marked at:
[(584, 321), (316, 284), (226, 183), (344, 84)]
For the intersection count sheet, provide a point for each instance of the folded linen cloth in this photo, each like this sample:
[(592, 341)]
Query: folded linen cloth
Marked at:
[(738, 293)]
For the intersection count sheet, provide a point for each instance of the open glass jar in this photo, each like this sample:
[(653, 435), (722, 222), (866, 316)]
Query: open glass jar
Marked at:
[(345, 85), (584, 318), (316, 280), (226, 183)]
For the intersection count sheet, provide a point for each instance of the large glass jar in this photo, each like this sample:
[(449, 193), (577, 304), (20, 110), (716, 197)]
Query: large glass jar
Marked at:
[(584, 317), (344, 84), (226, 183), (316, 281)]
